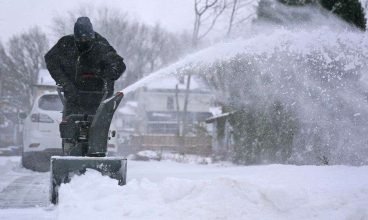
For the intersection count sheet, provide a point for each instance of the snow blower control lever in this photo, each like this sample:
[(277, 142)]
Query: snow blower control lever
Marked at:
[(84, 138)]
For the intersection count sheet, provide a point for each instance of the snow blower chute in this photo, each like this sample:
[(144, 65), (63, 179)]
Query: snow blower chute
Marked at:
[(85, 144)]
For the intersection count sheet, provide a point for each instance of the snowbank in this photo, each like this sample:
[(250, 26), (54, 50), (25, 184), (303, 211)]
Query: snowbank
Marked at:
[(260, 192), (170, 190)]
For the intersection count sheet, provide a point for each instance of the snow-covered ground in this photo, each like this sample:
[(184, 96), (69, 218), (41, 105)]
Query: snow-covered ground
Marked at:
[(8, 166), (170, 190)]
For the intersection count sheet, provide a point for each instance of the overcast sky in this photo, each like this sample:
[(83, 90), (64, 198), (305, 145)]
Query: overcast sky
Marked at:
[(19, 15)]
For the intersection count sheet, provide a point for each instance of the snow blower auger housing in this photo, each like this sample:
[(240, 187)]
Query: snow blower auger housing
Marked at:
[(85, 144)]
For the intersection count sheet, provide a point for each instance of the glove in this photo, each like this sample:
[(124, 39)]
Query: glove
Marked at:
[(110, 71)]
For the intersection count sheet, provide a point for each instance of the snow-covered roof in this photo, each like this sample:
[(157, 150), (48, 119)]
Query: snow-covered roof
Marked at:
[(44, 78), (216, 110)]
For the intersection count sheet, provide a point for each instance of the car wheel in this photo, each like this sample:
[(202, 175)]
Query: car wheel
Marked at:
[(26, 162), (36, 162)]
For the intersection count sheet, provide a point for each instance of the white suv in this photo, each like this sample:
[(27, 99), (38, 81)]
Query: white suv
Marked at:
[(41, 136)]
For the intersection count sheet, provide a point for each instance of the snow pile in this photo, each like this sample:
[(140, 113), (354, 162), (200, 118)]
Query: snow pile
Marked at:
[(265, 192), (148, 153), (145, 155), (168, 190), (186, 158), (9, 162)]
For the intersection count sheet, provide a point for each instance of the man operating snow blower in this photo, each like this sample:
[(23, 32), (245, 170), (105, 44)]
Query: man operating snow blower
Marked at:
[(85, 67), (83, 64)]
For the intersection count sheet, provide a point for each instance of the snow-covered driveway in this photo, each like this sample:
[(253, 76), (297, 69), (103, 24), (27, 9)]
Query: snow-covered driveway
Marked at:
[(170, 190), (21, 188), (25, 191)]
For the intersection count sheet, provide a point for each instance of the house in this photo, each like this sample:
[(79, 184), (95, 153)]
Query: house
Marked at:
[(158, 120), (222, 134), (126, 121)]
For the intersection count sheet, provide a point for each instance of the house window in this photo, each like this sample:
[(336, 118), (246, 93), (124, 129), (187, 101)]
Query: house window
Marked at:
[(162, 128), (170, 103)]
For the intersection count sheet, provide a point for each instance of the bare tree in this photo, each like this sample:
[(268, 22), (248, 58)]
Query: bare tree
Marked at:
[(206, 14), (185, 107), (27, 52), (22, 60), (232, 16), (178, 119), (4, 73), (237, 16)]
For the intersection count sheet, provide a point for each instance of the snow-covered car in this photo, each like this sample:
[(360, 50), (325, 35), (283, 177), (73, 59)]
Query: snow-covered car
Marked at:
[(41, 136)]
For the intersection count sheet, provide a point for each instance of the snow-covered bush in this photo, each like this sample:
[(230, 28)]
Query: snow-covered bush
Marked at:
[(298, 101)]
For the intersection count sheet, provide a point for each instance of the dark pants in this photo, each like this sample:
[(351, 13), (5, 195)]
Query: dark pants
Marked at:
[(83, 104)]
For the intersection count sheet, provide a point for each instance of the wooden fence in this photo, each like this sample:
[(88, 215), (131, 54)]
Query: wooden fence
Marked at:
[(189, 144)]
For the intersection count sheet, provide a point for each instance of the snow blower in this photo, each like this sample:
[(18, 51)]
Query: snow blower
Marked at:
[(87, 136)]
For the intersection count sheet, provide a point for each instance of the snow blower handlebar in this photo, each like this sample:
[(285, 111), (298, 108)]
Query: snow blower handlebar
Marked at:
[(105, 91)]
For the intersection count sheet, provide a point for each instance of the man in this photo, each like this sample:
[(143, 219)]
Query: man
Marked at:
[(84, 64)]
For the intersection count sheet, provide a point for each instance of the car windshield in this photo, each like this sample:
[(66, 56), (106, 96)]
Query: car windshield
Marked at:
[(50, 103)]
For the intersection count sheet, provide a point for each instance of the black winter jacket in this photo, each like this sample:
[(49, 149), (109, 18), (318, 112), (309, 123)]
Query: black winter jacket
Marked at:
[(86, 70)]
